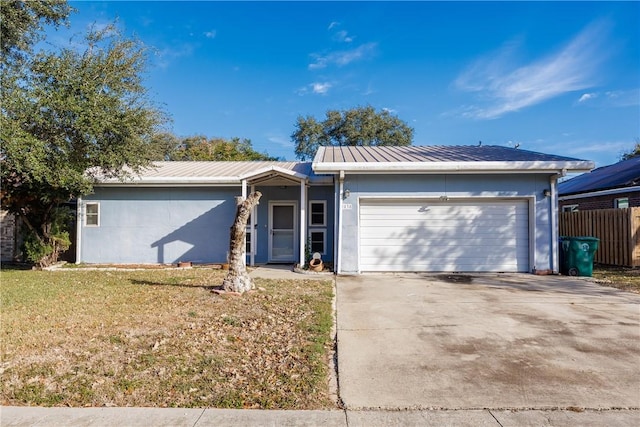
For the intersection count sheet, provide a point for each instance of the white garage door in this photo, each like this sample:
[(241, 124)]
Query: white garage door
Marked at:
[(428, 235)]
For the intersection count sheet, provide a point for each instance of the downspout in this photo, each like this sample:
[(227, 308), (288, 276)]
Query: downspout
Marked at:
[(339, 201), (553, 181), (79, 230)]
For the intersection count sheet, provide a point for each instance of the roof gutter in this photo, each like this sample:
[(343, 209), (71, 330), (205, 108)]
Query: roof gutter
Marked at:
[(173, 181), (460, 167), (600, 193)]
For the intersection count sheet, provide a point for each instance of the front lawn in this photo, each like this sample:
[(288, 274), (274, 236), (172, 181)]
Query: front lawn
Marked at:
[(162, 338)]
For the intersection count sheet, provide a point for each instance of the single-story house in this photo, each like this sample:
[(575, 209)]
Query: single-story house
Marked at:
[(416, 208), (608, 187)]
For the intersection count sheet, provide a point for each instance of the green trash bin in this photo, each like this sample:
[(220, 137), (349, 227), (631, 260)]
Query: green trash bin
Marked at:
[(577, 255)]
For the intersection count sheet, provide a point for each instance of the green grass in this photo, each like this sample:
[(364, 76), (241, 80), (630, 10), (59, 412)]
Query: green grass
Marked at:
[(162, 338)]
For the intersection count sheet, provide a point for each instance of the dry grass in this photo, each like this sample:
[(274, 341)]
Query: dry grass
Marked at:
[(627, 279), (162, 338)]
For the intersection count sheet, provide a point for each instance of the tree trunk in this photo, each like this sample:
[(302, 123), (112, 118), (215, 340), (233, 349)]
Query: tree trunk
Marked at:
[(238, 279)]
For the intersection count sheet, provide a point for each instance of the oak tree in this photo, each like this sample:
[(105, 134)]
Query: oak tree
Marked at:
[(66, 112), (358, 126), (238, 280)]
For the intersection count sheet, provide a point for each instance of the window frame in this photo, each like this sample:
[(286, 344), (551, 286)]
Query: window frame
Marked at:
[(324, 213), (616, 202), (87, 215), (324, 240), (570, 208), (247, 231)]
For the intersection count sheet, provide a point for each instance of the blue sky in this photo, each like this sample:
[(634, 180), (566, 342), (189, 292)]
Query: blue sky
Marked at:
[(561, 78)]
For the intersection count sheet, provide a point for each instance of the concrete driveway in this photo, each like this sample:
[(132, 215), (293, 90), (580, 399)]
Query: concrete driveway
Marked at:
[(486, 341)]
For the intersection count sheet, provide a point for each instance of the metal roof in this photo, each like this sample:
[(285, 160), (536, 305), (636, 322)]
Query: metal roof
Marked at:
[(441, 158), (214, 173), (618, 175)]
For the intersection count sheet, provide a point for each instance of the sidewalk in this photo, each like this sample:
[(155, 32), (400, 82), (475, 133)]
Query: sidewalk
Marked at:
[(14, 416)]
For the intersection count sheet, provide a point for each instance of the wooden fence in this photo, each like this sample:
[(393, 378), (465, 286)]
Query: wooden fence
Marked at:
[(617, 229)]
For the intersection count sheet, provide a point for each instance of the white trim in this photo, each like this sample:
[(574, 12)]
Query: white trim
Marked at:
[(617, 200), (335, 227), (294, 204), (254, 230), (553, 207), (324, 213), (324, 239), (79, 230), (460, 167), (303, 221), (172, 180), (531, 202), (600, 193), (86, 215), (268, 169), (574, 208), (339, 239)]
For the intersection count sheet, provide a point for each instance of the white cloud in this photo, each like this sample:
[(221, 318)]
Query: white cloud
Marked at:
[(280, 140), (166, 56), (509, 87), (332, 25), (210, 34), (318, 88), (344, 57), (587, 96), (343, 36), (611, 99)]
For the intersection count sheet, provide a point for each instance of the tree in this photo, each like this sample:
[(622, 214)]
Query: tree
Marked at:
[(634, 152), (238, 279), (216, 149), (358, 126), (63, 114), (21, 24)]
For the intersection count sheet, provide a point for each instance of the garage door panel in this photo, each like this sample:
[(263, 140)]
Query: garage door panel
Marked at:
[(444, 233), (478, 242), (418, 235)]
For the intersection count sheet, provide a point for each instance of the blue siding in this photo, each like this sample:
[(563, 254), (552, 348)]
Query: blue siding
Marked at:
[(453, 186), (159, 225), (167, 225)]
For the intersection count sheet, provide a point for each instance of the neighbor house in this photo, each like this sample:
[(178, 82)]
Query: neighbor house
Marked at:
[(608, 187), (417, 208)]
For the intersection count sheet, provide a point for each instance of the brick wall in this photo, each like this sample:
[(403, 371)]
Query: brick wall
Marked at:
[(601, 202), (7, 235)]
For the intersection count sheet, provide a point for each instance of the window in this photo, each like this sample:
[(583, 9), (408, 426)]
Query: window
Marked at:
[(318, 241), (622, 202), (248, 245), (92, 215), (570, 208), (248, 233), (317, 213)]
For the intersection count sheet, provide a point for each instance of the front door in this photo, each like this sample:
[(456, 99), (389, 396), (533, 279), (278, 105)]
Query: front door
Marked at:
[(282, 231)]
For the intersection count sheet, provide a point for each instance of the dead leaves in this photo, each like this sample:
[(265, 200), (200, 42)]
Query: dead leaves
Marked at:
[(157, 338)]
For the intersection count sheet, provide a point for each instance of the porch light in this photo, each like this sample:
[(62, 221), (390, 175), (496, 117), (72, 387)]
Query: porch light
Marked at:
[(346, 194)]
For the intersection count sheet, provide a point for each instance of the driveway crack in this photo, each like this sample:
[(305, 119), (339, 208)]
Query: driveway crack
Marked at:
[(494, 417)]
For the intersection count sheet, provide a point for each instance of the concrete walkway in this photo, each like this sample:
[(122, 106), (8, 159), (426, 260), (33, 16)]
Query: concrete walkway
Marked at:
[(176, 417), (285, 271)]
